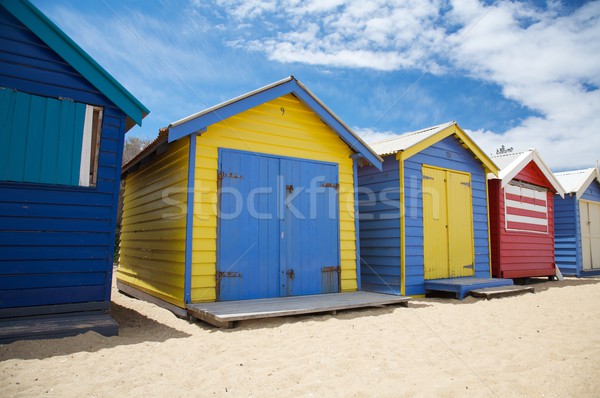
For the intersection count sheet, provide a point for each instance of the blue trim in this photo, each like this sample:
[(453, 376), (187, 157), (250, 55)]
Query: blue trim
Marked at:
[(64, 46), (268, 94), (355, 158), (189, 222), (269, 155)]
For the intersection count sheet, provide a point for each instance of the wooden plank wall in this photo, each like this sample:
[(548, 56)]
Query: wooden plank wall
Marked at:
[(56, 242), (519, 254), (380, 227), (567, 234), (153, 227), (448, 153)]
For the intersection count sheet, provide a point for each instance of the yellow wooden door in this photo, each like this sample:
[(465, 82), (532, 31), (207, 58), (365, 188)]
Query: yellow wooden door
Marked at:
[(447, 224), (460, 225), (435, 221)]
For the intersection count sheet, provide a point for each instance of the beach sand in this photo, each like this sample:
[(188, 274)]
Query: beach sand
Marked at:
[(534, 345)]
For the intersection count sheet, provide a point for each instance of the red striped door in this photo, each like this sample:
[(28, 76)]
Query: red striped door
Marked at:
[(526, 209)]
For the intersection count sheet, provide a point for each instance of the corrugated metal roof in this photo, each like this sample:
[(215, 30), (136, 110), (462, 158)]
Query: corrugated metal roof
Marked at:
[(502, 161), (403, 141), (577, 181)]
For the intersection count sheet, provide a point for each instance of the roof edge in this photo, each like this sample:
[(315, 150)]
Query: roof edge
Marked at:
[(453, 128), (288, 85), (593, 174), (508, 173), (30, 16)]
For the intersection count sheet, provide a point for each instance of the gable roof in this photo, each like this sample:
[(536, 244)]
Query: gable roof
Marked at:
[(577, 181), (414, 142), (64, 46), (511, 164), (201, 120)]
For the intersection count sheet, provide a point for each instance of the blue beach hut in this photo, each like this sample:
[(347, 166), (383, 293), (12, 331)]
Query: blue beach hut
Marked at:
[(63, 120), (424, 223), (577, 223)]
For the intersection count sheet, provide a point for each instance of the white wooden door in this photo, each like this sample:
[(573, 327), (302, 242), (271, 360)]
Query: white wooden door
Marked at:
[(589, 213)]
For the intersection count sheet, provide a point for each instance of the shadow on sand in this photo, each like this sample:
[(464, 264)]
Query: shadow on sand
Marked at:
[(134, 328)]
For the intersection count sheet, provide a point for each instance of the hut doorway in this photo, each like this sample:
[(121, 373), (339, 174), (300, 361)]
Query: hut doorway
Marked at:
[(590, 234), (278, 227), (447, 224)]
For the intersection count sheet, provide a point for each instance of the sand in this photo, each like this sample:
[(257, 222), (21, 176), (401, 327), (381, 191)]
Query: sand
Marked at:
[(534, 345)]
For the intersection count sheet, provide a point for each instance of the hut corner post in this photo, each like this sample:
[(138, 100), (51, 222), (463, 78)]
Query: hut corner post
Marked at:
[(356, 157), (187, 288), (400, 159)]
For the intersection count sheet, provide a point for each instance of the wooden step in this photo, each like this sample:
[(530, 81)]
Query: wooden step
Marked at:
[(501, 291)]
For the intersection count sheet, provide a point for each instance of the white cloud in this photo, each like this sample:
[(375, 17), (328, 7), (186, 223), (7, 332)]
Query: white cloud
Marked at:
[(378, 34), (370, 135), (543, 58), (544, 62)]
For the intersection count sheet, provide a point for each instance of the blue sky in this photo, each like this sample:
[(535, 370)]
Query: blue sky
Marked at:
[(522, 74)]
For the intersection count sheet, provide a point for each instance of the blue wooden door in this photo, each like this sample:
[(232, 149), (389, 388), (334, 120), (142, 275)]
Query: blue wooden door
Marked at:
[(278, 227), (311, 227), (248, 237)]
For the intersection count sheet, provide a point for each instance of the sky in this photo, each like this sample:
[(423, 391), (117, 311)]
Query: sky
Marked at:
[(523, 74)]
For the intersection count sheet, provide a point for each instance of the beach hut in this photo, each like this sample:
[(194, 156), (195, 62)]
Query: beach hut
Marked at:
[(522, 216), (577, 223), (424, 219), (252, 198), (63, 120)]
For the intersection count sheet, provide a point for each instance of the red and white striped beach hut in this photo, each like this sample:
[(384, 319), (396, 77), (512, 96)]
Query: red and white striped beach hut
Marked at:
[(522, 216)]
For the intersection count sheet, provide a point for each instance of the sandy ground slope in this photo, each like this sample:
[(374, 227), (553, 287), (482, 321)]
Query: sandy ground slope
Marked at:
[(543, 344)]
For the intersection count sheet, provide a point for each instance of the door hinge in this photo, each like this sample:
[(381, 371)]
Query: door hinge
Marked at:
[(223, 174), (221, 275), (331, 185), (471, 266), (427, 177), (467, 184)]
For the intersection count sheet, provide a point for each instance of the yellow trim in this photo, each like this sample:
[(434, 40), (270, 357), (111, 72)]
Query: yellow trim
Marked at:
[(487, 205), (418, 296), (489, 165), (400, 158), (466, 173)]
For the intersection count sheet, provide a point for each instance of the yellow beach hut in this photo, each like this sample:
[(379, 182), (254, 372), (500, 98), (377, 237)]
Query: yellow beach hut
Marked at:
[(252, 198)]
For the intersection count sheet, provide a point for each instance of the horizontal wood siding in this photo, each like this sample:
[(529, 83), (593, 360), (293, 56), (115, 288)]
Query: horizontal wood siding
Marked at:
[(568, 249), (295, 132), (153, 227), (450, 154), (379, 209), (56, 242), (519, 254), (567, 235), (29, 65)]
